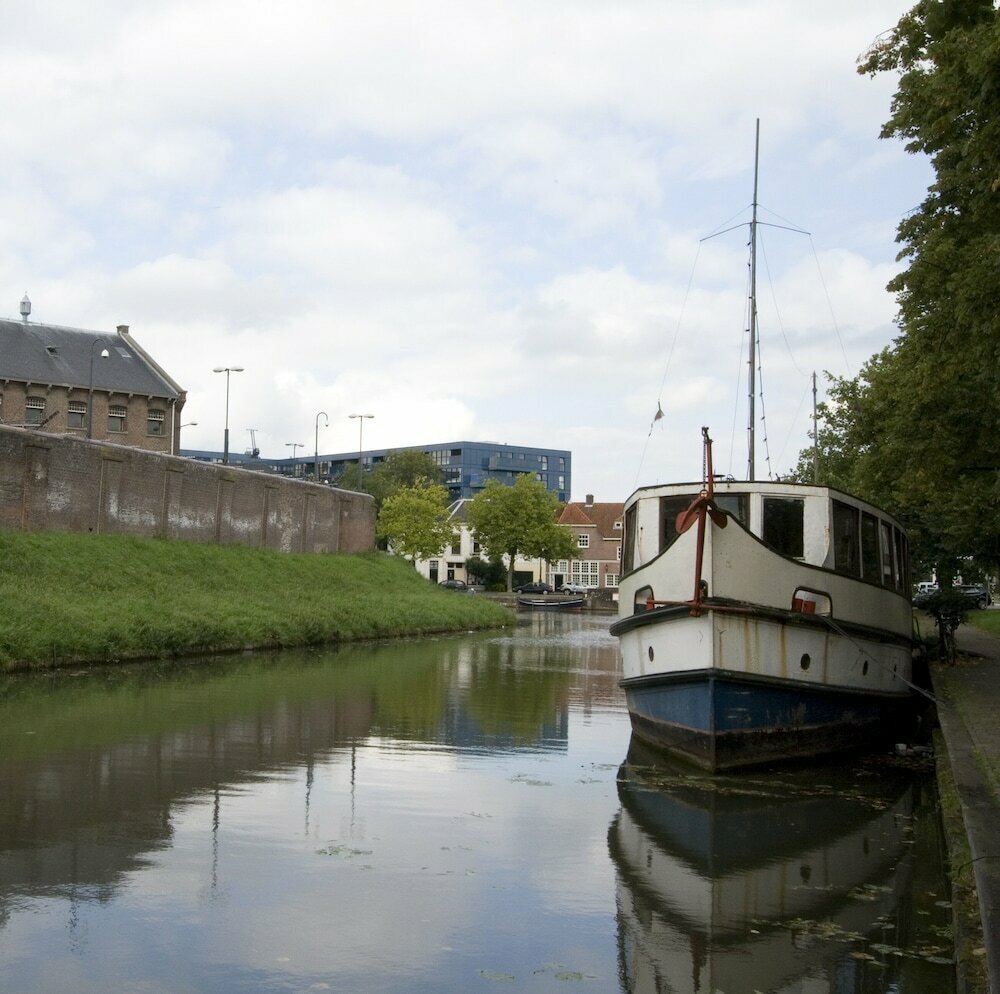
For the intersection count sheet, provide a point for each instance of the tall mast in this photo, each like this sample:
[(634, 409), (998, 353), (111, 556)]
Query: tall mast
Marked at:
[(751, 421)]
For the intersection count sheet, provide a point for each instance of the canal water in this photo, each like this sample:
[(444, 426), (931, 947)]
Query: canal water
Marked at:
[(462, 814)]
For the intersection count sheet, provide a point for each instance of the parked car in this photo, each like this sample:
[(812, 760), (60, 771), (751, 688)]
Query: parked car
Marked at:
[(454, 584), (573, 588), (976, 594), (534, 588), (924, 594)]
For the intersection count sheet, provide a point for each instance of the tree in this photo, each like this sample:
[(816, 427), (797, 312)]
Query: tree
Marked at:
[(414, 520), (918, 430), (519, 520), (403, 468), (493, 576)]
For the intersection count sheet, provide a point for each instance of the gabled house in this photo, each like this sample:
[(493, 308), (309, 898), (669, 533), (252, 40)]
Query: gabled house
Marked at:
[(451, 563), (597, 528), (90, 384)]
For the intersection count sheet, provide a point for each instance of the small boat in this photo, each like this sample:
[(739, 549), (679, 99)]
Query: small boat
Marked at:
[(762, 621), (549, 602)]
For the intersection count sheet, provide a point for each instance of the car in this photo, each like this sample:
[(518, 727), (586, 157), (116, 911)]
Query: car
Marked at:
[(976, 594), (454, 584), (573, 588), (534, 588)]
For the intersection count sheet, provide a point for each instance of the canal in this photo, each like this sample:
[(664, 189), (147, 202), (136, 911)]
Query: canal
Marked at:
[(461, 814)]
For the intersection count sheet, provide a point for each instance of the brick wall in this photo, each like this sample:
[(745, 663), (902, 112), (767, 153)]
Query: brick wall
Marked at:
[(60, 483)]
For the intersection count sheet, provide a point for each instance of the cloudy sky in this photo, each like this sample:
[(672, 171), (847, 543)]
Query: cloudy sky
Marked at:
[(474, 220)]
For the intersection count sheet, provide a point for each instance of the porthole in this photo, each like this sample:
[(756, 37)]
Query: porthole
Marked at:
[(805, 660), (649, 652)]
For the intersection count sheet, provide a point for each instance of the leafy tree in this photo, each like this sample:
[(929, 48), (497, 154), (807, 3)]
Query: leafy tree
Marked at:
[(403, 468), (493, 576), (519, 520), (414, 520), (918, 430)]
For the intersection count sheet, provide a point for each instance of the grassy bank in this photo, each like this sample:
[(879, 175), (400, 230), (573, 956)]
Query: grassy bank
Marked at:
[(70, 598)]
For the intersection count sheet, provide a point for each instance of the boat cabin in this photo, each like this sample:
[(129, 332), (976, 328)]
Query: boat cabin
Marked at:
[(810, 524)]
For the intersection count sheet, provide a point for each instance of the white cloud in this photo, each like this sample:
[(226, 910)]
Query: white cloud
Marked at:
[(473, 220)]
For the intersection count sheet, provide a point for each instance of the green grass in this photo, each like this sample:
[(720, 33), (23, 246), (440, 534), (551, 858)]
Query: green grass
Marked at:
[(986, 621), (79, 598)]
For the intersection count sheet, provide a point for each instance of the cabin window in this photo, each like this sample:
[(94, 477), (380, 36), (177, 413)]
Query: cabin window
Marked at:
[(783, 525), (738, 505), (870, 568), (670, 507), (628, 540), (902, 560), (888, 567), (845, 539)]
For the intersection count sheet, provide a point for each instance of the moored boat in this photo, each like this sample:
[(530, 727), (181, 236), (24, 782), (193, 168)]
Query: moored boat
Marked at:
[(548, 602), (762, 621)]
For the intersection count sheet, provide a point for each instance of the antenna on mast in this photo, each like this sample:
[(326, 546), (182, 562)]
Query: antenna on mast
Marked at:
[(751, 415)]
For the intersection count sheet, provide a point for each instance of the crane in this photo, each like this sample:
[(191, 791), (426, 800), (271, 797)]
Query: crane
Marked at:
[(253, 452)]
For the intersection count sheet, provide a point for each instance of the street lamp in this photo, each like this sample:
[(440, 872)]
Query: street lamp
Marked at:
[(316, 451), (294, 446), (227, 370), (361, 425), (105, 354)]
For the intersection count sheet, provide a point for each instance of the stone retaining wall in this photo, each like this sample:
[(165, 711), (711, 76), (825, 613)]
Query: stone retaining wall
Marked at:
[(61, 483)]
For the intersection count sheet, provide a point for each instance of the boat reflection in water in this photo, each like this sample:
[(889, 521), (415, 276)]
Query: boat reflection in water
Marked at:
[(792, 882)]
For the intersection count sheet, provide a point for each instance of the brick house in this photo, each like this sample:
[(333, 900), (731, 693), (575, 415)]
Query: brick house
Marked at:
[(87, 384), (597, 528)]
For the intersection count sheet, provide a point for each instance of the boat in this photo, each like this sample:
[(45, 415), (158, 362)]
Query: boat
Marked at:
[(762, 621), (548, 602)]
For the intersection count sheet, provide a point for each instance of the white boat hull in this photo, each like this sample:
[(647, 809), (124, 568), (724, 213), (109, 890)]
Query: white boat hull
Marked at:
[(745, 675)]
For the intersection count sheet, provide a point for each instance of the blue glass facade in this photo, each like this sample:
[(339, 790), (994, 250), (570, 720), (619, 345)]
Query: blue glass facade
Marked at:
[(466, 466)]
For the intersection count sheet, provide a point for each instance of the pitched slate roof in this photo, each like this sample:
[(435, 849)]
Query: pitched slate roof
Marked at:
[(58, 356)]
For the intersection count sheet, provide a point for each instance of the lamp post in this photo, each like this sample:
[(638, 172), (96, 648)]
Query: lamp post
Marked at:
[(316, 451), (105, 354), (227, 370), (294, 446), (361, 425)]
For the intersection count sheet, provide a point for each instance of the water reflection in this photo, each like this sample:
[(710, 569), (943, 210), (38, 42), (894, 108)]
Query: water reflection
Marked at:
[(422, 816), (775, 882)]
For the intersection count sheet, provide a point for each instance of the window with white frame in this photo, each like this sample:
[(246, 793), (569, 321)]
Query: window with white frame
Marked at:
[(583, 541), (154, 422), (585, 571), (34, 410), (76, 416), (610, 579), (116, 418)]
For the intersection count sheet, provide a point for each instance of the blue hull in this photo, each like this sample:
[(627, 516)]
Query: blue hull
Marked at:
[(719, 721)]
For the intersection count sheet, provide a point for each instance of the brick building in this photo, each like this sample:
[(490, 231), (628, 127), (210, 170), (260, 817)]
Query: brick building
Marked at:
[(597, 528), (88, 384)]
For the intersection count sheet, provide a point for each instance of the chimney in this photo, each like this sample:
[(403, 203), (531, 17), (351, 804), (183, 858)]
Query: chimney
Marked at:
[(123, 329), (25, 307), (590, 500)]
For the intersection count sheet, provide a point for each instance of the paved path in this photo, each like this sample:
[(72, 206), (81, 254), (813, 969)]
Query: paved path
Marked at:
[(969, 712)]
